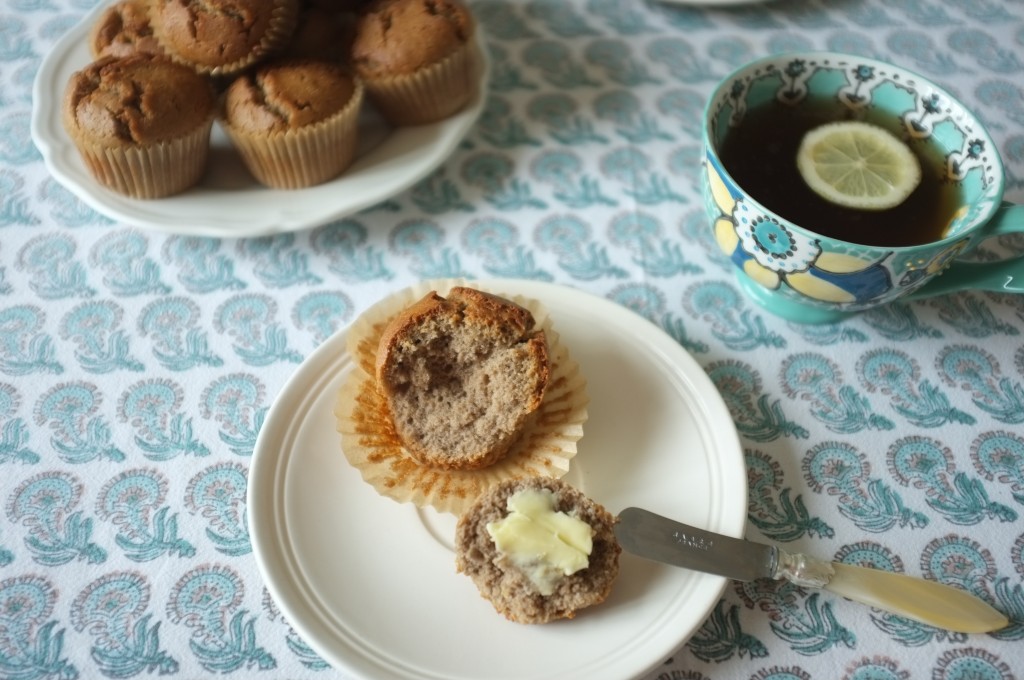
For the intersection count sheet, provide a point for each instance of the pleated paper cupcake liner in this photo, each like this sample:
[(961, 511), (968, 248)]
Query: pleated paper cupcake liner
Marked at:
[(304, 156), (432, 93), (149, 171)]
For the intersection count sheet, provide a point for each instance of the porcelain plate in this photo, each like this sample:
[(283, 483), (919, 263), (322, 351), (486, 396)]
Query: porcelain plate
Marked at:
[(370, 584)]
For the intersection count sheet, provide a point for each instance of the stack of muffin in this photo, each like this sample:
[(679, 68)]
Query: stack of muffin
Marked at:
[(285, 78)]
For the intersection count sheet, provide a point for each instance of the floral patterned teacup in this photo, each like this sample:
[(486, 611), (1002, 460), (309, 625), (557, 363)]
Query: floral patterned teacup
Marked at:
[(810, 278)]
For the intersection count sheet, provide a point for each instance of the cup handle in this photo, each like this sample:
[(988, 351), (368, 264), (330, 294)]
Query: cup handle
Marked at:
[(1005, 276)]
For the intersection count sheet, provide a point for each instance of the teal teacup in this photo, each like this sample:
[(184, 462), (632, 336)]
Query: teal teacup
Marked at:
[(789, 265)]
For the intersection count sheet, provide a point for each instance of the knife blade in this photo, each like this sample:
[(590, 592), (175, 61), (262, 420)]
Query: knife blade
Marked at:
[(649, 535)]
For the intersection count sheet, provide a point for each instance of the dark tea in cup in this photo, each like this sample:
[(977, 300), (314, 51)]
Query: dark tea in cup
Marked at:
[(760, 154)]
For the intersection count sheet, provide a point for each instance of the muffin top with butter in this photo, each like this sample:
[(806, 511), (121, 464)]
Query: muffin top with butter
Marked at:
[(286, 94), (538, 549), (136, 100), (399, 37)]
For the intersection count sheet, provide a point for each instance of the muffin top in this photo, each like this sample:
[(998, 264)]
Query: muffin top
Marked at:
[(136, 100), (287, 94), (123, 29), (398, 37), (216, 33)]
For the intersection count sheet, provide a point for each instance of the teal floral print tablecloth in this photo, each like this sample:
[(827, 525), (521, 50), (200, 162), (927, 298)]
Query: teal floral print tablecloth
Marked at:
[(137, 367)]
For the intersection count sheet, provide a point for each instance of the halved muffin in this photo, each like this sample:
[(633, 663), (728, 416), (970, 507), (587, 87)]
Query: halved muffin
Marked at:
[(462, 376)]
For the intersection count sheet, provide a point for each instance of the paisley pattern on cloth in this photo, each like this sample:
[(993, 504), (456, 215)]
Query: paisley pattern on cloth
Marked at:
[(137, 368)]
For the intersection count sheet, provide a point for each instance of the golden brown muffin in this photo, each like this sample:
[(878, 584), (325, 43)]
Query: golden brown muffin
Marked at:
[(294, 121), (222, 37), (141, 123), (123, 28), (419, 58)]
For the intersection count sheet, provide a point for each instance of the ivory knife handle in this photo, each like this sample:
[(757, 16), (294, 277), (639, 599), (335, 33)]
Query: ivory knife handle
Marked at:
[(929, 602)]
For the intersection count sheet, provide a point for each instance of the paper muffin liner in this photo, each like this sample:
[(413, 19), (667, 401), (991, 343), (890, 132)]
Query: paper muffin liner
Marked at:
[(283, 18), (149, 171), (431, 93), (303, 156), (371, 445)]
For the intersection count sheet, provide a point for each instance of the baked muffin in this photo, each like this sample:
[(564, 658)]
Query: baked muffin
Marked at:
[(141, 123), (222, 37), (538, 549), (418, 58), (370, 439), (294, 121), (462, 376), (122, 29)]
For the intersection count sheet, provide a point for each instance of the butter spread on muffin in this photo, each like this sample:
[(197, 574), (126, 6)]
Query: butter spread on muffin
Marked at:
[(543, 543), (141, 123), (538, 549), (294, 121)]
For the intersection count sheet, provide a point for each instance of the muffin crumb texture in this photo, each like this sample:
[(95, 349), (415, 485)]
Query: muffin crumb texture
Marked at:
[(371, 443), (462, 376)]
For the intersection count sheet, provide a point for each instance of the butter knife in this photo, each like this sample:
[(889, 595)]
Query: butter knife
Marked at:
[(654, 537)]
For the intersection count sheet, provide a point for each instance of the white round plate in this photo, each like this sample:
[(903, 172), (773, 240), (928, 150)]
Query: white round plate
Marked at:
[(370, 584), (228, 202)]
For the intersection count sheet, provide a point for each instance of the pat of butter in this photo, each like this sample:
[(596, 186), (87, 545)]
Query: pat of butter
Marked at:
[(543, 544)]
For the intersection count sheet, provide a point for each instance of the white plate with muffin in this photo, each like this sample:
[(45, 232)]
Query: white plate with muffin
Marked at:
[(392, 151), (378, 553)]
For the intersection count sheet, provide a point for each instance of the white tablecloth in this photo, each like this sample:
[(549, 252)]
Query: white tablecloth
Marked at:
[(136, 367)]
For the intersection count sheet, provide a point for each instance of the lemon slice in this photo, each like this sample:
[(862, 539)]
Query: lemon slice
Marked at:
[(858, 165)]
